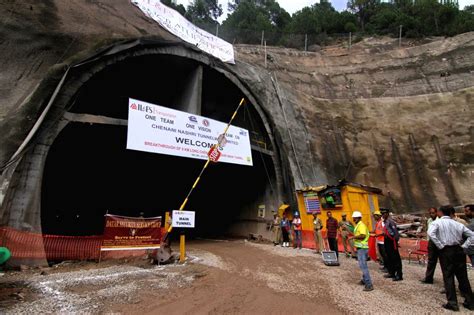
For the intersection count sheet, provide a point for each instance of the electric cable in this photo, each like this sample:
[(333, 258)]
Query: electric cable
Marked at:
[(261, 154), (275, 86)]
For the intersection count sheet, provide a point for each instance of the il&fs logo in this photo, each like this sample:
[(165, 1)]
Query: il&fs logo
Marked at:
[(133, 106)]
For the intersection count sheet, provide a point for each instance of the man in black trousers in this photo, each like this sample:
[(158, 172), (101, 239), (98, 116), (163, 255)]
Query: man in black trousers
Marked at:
[(432, 250), (391, 238), (449, 236)]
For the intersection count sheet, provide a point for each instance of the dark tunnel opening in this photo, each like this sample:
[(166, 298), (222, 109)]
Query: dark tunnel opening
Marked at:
[(89, 171)]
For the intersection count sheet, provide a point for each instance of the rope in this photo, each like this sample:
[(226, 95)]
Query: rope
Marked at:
[(308, 142), (275, 86), (39, 121)]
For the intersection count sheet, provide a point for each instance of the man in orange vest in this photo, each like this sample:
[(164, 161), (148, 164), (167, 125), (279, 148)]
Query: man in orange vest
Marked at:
[(379, 238), (297, 228)]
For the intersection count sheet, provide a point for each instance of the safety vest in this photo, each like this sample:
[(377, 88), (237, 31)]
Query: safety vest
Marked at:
[(379, 230), (361, 228), (297, 224)]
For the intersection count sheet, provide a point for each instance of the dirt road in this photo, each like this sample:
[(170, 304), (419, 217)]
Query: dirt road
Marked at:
[(231, 277)]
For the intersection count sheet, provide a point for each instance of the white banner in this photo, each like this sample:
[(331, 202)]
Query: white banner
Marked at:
[(183, 219), (158, 129), (177, 25)]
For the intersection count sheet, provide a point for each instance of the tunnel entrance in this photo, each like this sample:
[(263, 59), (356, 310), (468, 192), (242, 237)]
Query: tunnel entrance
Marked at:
[(89, 171)]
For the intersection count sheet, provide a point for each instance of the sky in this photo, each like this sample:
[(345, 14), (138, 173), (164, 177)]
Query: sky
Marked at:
[(294, 5)]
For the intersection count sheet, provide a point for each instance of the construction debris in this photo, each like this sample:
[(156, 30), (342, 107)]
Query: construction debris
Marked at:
[(410, 225)]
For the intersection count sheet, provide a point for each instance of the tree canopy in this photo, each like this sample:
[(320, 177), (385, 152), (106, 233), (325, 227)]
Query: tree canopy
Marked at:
[(247, 19), (204, 13)]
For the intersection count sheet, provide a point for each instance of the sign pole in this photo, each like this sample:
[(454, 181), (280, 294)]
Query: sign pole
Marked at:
[(182, 248), (242, 102)]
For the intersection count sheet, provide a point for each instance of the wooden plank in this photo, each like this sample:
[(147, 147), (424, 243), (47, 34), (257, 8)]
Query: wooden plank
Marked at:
[(95, 119)]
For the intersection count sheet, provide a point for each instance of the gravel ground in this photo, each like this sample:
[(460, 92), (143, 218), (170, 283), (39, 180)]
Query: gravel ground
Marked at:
[(85, 291), (406, 297), (235, 277), (207, 259)]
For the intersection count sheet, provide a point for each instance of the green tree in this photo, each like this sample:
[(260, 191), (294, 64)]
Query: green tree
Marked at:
[(385, 20), (319, 18), (463, 22), (364, 9), (432, 17), (304, 22), (232, 5), (204, 13), (346, 22), (277, 16), (248, 18), (178, 7), (469, 9)]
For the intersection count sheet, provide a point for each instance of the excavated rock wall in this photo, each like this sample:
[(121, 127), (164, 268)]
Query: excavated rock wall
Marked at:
[(399, 119)]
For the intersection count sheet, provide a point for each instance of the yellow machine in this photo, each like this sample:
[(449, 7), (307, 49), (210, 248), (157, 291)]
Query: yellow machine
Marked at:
[(345, 197)]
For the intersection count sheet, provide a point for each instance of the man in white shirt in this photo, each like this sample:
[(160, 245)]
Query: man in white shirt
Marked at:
[(432, 250), (448, 236)]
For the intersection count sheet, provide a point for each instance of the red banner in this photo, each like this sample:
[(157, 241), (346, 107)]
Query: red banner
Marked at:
[(127, 233), (373, 248)]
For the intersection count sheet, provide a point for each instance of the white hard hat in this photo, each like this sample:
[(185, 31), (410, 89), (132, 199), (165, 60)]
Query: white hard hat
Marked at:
[(356, 214)]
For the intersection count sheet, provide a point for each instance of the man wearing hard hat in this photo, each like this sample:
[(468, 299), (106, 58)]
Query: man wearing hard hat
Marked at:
[(361, 243), (379, 237)]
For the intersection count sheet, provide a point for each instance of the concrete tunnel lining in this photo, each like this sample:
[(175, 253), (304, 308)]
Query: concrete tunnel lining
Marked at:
[(56, 121)]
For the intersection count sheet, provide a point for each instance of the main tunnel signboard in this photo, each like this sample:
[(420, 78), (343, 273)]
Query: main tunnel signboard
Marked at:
[(158, 129), (183, 219), (129, 233)]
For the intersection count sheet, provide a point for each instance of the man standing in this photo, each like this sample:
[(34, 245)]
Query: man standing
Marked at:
[(379, 237), (432, 250), (276, 229), (347, 228), (456, 218), (297, 228), (469, 212), (331, 228), (285, 230), (318, 237), (361, 243), (391, 238), (448, 236)]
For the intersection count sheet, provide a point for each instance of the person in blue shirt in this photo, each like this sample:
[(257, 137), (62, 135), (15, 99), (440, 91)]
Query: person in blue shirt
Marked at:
[(285, 230)]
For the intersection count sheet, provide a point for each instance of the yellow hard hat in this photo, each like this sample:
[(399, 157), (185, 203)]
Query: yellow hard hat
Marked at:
[(377, 212), (344, 214)]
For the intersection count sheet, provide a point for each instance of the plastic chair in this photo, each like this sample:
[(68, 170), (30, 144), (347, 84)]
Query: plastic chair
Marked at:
[(421, 251)]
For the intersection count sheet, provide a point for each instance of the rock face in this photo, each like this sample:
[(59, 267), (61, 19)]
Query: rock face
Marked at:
[(398, 119)]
